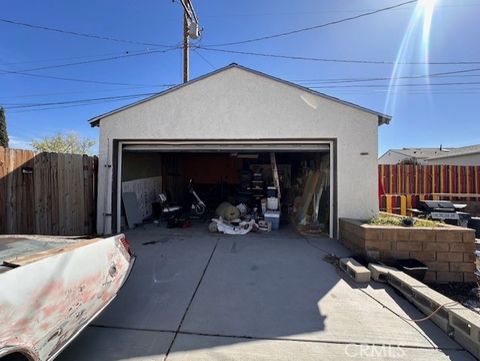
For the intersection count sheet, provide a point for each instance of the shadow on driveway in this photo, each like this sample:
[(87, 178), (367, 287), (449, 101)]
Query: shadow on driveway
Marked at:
[(199, 296)]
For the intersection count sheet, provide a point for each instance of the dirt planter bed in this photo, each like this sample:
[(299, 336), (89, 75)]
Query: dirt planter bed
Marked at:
[(448, 251)]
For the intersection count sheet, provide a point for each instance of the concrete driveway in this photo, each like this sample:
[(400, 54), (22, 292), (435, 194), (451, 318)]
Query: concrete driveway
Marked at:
[(199, 296)]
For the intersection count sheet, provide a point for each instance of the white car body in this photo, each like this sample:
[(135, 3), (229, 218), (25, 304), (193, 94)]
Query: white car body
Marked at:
[(49, 296)]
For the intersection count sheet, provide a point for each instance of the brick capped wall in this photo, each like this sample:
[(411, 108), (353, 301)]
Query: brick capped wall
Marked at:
[(447, 251)]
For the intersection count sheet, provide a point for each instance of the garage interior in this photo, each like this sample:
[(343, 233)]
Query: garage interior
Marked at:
[(272, 190)]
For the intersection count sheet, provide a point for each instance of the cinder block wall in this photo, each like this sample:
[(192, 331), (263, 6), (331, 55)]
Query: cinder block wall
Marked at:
[(447, 251)]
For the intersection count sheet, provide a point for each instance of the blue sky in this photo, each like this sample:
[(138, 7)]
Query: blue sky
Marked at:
[(423, 115)]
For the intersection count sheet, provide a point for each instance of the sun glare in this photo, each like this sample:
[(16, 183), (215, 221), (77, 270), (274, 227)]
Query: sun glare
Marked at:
[(427, 6), (414, 47)]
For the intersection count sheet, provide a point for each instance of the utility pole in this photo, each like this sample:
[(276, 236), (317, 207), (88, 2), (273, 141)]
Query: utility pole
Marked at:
[(191, 29), (186, 50)]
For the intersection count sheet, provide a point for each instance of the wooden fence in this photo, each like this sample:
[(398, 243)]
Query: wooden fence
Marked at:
[(47, 193), (403, 185), (430, 179)]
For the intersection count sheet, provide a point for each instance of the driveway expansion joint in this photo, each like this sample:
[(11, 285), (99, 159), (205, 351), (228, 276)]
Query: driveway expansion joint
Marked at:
[(191, 300), (131, 328), (333, 342)]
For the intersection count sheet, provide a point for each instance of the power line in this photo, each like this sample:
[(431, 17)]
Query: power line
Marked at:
[(88, 100), (94, 60), (354, 80), (317, 26), (305, 82), (84, 91), (332, 60), (127, 96), (393, 85), (66, 58), (154, 85), (75, 79), (316, 13), (63, 106), (471, 91), (450, 92), (423, 90), (203, 58), (76, 33), (431, 75), (454, 91)]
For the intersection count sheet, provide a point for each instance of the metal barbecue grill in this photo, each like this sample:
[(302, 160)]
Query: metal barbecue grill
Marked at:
[(438, 210), (443, 211)]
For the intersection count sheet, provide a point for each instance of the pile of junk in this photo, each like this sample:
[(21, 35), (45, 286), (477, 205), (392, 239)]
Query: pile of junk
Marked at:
[(256, 211), (260, 196), (260, 204), (257, 214), (241, 219)]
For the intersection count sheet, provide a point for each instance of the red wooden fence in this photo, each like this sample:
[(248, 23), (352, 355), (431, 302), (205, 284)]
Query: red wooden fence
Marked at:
[(404, 185), (430, 179)]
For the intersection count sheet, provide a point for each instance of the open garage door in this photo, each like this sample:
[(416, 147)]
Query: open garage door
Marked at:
[(237, 172)]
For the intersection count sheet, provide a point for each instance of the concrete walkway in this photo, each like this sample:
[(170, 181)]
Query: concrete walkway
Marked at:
[(199, 296)]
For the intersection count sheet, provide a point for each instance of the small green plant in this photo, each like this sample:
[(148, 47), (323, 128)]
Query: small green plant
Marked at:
[(386, 220)]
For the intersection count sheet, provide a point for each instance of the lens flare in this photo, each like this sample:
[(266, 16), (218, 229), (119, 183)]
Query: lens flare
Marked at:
[(414, 46), (428, 8)]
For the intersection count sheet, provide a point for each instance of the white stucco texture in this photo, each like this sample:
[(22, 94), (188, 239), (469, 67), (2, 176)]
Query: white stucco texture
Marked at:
[(238, 104)]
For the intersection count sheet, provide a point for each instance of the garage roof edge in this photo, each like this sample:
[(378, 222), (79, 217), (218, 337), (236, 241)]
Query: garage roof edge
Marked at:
[(382, 118)]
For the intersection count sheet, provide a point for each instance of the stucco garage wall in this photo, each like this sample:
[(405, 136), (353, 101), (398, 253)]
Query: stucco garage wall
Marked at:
[(240, 105)]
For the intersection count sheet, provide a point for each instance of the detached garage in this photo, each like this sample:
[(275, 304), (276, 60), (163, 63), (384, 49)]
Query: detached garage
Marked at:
[(243, 137)]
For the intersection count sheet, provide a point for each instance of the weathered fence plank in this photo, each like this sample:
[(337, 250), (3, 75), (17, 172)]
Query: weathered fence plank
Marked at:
[(89, 201), (25, 212), (3, 191), (63, 195), (55, 193), (429, 179), (41, 181), (404, 185), (47, 193)]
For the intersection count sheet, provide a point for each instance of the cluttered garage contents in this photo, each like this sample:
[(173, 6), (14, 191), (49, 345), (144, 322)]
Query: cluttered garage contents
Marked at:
[(231, 193)]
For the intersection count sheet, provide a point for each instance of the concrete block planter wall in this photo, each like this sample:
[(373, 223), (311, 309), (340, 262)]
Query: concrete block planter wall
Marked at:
[(447, 251)]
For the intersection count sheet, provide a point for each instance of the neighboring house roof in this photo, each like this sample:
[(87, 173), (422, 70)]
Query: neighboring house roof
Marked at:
[(420, 153), (458, 152), (435, 153), (382, 118)]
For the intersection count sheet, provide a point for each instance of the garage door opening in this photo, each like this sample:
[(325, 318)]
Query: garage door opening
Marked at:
[(291, 186)]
